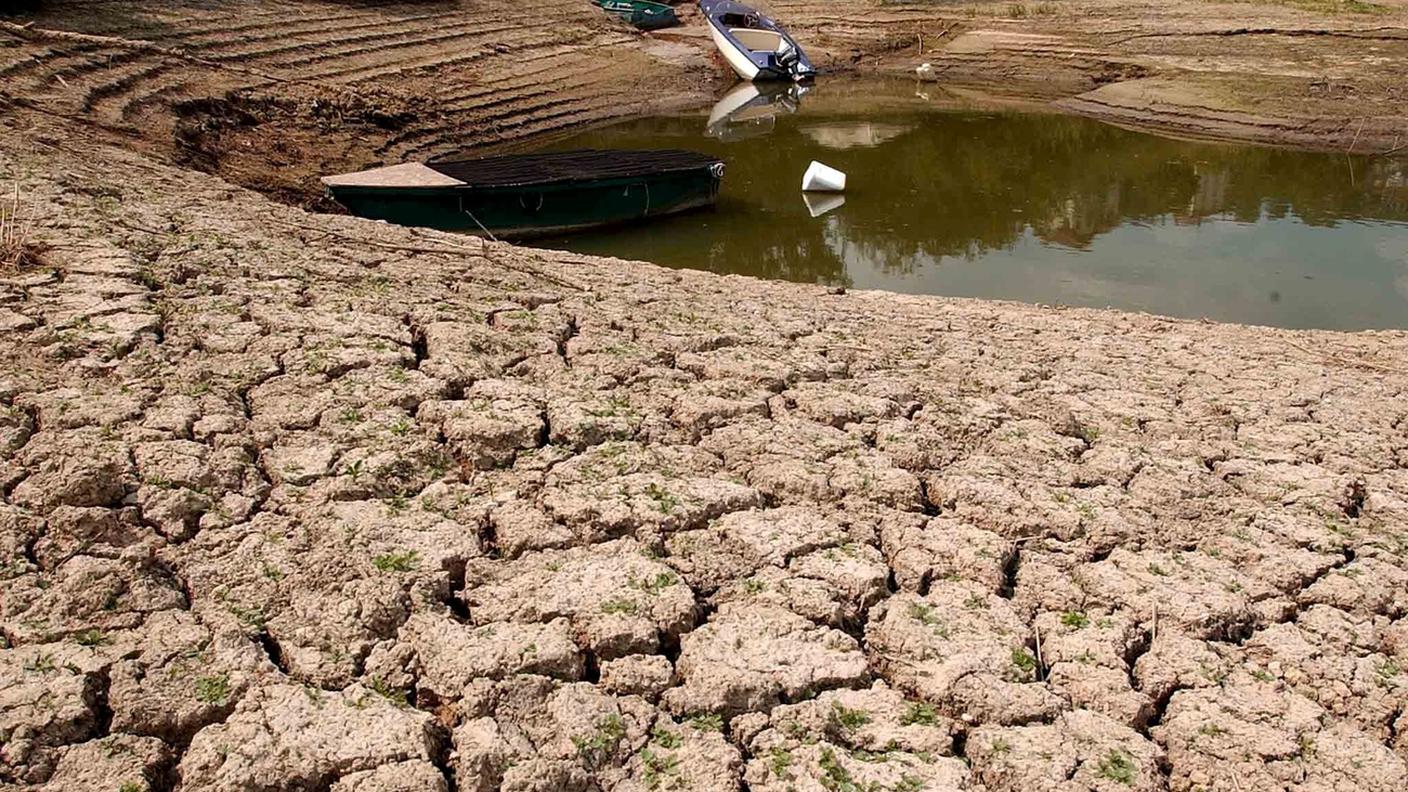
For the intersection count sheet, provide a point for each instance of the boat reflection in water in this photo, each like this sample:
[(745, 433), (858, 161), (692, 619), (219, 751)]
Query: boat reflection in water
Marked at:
[(751, 109)]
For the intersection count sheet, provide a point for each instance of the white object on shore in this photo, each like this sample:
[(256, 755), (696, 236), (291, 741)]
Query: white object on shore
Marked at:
[(820, 178), (819, 204), (924, 70)]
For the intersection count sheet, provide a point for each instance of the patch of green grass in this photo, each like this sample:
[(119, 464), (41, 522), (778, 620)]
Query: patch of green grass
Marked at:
[(835, 778), (213, 689), (1075, 619), (850, 719), (713, 722), (386, 691), (656, 584), (779, 760), (131, 786), (1118, 766), (397, 562), (1387, 670), (908, 783), (924, 614), (976, 602), (93, 637), (1024, 661), (665, 738), (253, 616), (596, 747), (619, 605), (920, 712), (665, 501), (660, 769)]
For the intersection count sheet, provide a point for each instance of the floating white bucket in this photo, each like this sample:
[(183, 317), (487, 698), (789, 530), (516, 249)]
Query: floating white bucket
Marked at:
[(818, 205), (820, 178)]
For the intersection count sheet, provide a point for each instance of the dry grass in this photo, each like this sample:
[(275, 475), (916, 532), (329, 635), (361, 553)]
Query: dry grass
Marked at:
[(16, 249)]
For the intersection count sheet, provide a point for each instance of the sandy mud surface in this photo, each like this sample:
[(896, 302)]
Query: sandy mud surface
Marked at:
[(300, 502)]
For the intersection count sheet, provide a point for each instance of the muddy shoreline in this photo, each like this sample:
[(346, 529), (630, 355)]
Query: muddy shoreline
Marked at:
[(274, 115), (294, 501)]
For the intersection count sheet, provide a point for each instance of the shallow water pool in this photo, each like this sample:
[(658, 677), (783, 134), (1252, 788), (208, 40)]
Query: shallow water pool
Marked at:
[(954, 198)]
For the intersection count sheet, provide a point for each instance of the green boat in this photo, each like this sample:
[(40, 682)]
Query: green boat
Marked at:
[(641, 13), (528, 195)]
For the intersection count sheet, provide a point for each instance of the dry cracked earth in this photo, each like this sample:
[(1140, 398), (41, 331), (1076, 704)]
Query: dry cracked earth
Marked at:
[(298, 502), (301, 502)]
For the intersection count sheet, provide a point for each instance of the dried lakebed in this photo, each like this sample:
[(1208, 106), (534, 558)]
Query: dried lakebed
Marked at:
[(299, 502), (971, 200)]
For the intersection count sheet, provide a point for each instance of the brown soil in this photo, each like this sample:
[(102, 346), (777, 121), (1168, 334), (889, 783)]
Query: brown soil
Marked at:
[(296, 502)]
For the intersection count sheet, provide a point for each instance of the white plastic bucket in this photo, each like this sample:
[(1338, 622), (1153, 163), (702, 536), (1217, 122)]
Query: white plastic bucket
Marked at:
[(820, 178)]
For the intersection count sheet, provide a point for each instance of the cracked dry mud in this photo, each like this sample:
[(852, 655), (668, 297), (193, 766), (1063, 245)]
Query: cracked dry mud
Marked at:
[(298, 502)]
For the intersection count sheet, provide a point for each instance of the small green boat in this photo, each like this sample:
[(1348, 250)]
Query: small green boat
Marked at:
[(641, 13), (528, 195)]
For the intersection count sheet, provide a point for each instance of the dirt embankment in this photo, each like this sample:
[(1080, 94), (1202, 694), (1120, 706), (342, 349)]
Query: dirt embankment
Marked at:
[(272, 93)]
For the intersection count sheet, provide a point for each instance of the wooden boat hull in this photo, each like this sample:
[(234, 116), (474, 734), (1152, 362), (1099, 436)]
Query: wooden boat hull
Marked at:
[(546, 210)]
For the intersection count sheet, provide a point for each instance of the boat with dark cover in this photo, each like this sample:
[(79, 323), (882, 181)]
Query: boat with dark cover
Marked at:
[(525, 195), (754, 45), (643, 14)]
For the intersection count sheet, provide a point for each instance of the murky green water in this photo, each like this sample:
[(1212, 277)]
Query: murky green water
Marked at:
[(950, 199)]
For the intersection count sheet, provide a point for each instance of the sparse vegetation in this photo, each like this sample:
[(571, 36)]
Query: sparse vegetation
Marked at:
[(619, 605), (1024, 661), (93, 637), (850, 719), (656, 584), (924, 614), (1075, 619), (213, 689), (661, 771), (665, 738), (16, 249), (709, 722), (779, 759), (835, 778), (1118, 766), (397, 562), (598, 746), (921, 713)]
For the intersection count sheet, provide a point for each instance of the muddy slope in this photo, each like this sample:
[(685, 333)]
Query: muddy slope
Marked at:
[(300, 502)]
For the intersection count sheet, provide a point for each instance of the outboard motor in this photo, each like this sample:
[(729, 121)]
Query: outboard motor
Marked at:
[(787, 57)]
